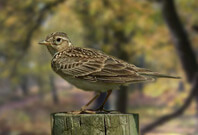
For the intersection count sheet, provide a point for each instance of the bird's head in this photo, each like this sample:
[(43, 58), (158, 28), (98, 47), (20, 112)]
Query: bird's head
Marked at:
[(56, 42)]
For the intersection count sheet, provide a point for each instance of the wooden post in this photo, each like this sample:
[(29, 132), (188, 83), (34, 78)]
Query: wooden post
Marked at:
[(94, 124)]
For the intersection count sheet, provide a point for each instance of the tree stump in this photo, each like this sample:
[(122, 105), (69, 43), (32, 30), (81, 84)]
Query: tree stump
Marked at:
[(94, 124)]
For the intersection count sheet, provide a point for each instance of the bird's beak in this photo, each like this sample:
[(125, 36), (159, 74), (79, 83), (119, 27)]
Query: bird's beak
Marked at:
[(44, 43)]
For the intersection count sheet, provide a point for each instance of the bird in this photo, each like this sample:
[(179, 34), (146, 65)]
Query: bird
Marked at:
[(93, 70)]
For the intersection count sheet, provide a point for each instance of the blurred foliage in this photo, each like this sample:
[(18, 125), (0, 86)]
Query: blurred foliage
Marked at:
[(130, 29), (18, 22)]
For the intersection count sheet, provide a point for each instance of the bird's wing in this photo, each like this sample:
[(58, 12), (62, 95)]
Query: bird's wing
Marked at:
[(118, 71), (78, 62), (147, 72), (94, 66), (76, 66)]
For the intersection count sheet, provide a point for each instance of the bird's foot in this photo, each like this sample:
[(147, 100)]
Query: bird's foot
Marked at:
[(90, 111), (102, 110), (87, 111), (99, 110), (84, 110)]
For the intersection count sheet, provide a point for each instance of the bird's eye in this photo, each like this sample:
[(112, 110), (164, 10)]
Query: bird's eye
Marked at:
[(58, 41)]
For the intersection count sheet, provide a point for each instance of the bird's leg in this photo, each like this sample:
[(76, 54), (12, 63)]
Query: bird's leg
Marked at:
[(83, 108), (101, 108)]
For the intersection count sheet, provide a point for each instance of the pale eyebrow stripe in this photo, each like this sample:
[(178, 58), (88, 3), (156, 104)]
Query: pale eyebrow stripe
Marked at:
[(65, 38), (49, 39)]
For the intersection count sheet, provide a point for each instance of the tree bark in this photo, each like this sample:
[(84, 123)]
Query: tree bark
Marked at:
[(94, 124)]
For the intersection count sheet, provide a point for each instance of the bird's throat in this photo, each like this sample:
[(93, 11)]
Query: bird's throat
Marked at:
[(51, 50)]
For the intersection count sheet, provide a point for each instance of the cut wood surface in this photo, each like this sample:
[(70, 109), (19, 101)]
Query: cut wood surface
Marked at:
[(94, 124)]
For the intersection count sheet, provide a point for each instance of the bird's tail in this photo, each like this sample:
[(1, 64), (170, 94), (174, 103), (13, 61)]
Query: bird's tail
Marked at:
[(146, 72)]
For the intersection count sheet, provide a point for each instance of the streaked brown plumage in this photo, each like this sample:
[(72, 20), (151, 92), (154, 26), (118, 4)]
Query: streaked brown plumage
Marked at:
[(91, 69)]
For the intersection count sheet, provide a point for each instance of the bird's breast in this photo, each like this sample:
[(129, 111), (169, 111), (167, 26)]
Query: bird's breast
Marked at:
[(88, 85)]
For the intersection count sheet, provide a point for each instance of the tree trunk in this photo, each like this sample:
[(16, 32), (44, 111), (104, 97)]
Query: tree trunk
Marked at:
[(178, 112), (100, 100), (94, 124), (24, 85), (121, 102), (187, 58), (180, 38), (121, 40), (53, 90), (181, 41), (41, 87)]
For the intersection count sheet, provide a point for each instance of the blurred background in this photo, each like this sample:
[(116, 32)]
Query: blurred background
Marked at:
[(161, 35)]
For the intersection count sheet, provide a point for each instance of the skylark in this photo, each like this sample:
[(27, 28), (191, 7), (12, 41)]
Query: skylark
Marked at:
[(93, 70)]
